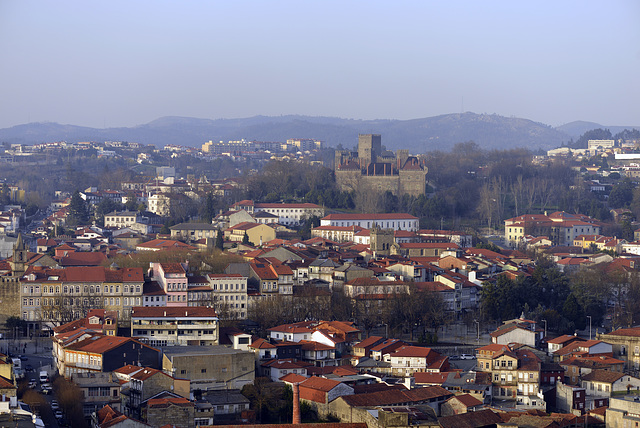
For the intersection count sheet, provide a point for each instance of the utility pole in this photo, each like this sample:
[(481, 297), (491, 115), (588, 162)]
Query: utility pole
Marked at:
[(545, 328), (589, 316)]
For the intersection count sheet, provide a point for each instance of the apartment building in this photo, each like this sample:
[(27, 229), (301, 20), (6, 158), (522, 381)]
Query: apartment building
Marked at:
[(229, 295), (175, 325), (61, 295)]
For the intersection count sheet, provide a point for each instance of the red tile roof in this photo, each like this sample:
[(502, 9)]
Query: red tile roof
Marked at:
[(319, 383), (393, 397), (467, 400), (382, 216)]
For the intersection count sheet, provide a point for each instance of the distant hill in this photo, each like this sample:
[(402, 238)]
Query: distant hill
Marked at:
[(417, 135), (577, 128)]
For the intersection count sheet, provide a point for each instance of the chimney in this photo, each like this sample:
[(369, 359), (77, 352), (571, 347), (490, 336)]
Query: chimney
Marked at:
[(296, 403)]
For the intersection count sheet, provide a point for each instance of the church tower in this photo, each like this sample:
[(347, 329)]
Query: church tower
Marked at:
[(20, 254)]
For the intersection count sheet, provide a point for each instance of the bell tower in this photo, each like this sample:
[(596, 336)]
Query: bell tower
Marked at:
[(19, 262)]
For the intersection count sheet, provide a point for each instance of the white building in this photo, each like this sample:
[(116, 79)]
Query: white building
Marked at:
[(120, 219), (175, 325), (288, 214), (398, 221), (229, 294)]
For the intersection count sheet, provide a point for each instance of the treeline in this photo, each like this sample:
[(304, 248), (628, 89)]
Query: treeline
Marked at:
[(565, 300)]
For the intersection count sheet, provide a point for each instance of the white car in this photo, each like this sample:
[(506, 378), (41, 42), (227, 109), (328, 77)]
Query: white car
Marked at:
[(58, 414), (467, 357), (54, 405)]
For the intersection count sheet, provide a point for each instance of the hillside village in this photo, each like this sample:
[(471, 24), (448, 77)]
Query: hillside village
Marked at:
[(257, 311)]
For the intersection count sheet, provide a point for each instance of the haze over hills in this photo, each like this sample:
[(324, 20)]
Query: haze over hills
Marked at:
[(417, 135)]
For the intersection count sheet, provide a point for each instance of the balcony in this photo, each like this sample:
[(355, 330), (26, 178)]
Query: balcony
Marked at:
[(85, 366)]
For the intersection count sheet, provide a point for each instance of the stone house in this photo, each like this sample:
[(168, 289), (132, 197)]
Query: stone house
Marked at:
[(318, 392), (171, 411), (460, 404)]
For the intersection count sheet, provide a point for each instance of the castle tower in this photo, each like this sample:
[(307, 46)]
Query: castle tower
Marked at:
[(369, 147)]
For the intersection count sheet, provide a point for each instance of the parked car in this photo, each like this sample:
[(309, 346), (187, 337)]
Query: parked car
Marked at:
[(33, 384), (23, 357), (54, 405), (58, 414), (467, 357), (454, 357), (28, 368)]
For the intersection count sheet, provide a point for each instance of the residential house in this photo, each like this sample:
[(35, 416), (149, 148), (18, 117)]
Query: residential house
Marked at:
[(356, 407), (90, 353), (461, 404), (518, 331), (278, 368), (318, 392), (169, 411), (601, 384), (407, 360), (120, 219), (98, 390), (570, 399), (193, 231), (559, 342), (147, 383)]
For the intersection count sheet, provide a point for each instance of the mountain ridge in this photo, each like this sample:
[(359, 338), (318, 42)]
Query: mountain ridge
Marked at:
[(489, 131)]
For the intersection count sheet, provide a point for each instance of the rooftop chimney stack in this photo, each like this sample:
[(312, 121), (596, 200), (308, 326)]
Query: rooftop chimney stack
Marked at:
[(296, 403)]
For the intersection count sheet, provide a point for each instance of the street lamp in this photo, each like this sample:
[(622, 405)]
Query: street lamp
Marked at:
[(478, 325), (589, 316)]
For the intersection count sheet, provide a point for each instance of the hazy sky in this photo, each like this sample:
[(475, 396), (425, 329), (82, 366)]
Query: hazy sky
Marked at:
[(124, 63)]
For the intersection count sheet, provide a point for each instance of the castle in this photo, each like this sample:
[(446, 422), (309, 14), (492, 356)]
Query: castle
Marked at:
[(372, 168)]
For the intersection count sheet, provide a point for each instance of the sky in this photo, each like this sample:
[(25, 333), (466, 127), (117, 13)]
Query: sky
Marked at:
[(125, 63)]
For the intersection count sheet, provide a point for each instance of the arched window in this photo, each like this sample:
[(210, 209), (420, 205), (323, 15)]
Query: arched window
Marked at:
[(65, 289)]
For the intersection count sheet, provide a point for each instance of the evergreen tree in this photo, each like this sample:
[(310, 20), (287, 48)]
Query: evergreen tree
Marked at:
[(245, 239), (78, 211), (209, 209), (220, 240)]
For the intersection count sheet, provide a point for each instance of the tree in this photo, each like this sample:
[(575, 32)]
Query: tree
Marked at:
[(106, 206), (219, 240), (621, 194), (15, 325), (245, 239), (208, 208), (78, 211)]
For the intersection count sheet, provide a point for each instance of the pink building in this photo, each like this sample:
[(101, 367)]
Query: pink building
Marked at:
[(172, 277)]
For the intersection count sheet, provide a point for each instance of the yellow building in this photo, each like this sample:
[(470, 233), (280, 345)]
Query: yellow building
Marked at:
[(256, 232)]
